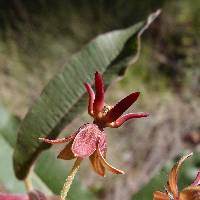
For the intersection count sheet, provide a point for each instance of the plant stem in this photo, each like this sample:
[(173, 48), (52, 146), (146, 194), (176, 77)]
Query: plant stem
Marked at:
[(28, 184), (70, 179)]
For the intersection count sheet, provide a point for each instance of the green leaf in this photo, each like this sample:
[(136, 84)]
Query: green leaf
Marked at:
[(48, 175), (65, 96)]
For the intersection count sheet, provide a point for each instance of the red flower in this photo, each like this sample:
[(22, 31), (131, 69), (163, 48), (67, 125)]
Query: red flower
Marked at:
[(191, 192), (90, 140), (32, 195), (105, 115)]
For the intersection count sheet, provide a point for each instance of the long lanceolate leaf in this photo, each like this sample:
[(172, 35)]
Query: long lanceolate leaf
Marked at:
[(64, 97)]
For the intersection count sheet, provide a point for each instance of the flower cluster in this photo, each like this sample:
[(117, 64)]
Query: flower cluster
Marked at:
[(191, 192), (90, 139)]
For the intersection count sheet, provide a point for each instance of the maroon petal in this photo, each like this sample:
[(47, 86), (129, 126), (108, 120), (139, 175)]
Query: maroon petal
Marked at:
[(91, 97), (94, 158), (197, 180), (85, 141), (160, 196), (36, 195), (66, 153), (124, 118), (173, 176), (96, 164), (32, 195), (108, 166), (121, 107), (99, 97), (7, 196), (102, 144)]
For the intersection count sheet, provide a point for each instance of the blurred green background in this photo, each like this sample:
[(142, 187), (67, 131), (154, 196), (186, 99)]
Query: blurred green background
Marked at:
[(37, 38)]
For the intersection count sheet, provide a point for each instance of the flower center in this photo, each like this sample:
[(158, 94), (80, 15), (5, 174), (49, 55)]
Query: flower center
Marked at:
[(106, 109), (99, 119)]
